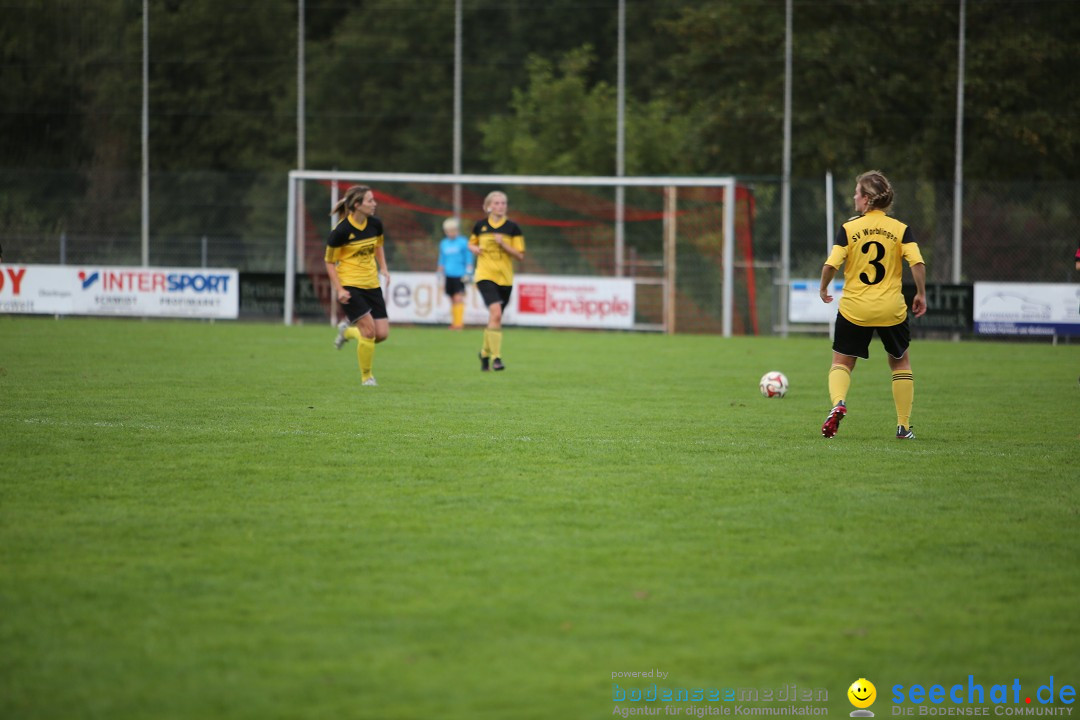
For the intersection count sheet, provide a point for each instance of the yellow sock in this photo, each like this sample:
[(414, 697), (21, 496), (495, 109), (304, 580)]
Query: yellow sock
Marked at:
[(495, 342), (839, 383), (458, 314), (365, 355), (352, 333), (486, 350), (903, 393)]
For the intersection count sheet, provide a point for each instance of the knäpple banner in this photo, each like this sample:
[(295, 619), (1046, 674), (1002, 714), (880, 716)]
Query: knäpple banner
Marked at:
[(538, 300)]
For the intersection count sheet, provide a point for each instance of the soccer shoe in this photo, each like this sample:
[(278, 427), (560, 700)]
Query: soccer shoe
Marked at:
[(370, 382), (340, 339), (832, 423), (905, 433), (485, 363), (497, 364)]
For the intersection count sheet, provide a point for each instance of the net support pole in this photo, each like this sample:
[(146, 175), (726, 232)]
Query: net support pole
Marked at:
[(785, 182), (290, 253), (669, 259), (830, 233), (334, 192), (729, 258)]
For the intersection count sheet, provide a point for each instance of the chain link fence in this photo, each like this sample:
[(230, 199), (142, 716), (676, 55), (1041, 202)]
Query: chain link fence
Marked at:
[(1018, 232)]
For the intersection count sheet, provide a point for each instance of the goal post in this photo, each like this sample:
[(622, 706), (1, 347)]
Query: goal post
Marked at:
[(570, 225)]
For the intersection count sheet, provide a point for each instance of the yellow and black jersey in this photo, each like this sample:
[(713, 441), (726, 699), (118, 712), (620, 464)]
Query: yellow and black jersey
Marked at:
[(351, 248), (493, 263), (872, 248)]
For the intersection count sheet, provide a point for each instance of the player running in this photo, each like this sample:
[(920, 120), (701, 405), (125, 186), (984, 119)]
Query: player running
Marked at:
[(353, 249)]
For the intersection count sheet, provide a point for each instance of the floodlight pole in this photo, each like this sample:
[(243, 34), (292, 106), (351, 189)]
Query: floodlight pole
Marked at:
[(958, 174), (620, 147), (457, 105), (785, 190), (300, 89), (145, 210)]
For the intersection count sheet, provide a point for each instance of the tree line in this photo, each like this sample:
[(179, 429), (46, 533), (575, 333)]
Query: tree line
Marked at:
[(874, 85)]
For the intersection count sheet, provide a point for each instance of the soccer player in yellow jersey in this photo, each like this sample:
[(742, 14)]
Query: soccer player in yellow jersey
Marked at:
[(496, 241), (872, 247), (354, 258)]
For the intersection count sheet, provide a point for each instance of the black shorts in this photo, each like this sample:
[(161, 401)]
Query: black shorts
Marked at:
[(363, 301), (454, 286), (854, 340), (493, 293)]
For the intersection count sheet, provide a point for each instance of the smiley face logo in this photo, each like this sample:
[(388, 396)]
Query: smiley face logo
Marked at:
[(862, 693)]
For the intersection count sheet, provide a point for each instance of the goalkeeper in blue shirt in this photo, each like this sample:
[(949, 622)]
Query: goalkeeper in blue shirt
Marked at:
[(455, 268)]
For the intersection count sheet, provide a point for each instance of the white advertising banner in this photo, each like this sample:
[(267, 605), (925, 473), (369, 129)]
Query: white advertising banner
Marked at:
[(538, 300), (1026, 309), (126, 291), (804, 301)]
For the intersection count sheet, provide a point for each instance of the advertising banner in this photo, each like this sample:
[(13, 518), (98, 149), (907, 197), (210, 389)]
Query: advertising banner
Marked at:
[(538, 300), (1027, 309), (948, 307), (804, 301), (120, 291)]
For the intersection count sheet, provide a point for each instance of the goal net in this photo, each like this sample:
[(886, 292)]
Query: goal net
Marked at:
[(675, 253)]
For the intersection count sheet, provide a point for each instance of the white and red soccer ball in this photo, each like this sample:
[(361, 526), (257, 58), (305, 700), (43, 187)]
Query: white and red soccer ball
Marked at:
[(774, 384)]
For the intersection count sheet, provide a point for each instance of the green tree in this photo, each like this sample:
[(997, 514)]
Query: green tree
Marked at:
[(561, 124)]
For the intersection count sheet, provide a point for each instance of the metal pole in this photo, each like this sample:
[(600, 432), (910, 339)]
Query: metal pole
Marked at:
[(63, 248), (620, 147), (785, 190), (958, 175), (729, 257), (300, 88), (457, 104), (290, 255), (334, 197), (830, 213), (145, 222), (205, 248), (830, 233), (669, 259)]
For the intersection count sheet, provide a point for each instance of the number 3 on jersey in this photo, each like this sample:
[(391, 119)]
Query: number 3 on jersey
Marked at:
[(879, 269)]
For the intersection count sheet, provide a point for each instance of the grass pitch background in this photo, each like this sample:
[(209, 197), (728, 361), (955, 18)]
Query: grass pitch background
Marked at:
[(215, 521)]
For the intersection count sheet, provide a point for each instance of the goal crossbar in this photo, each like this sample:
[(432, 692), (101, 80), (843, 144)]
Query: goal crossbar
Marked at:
[(335, 176)]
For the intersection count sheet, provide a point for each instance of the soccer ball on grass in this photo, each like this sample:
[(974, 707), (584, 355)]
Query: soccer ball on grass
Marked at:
[(773, 384)]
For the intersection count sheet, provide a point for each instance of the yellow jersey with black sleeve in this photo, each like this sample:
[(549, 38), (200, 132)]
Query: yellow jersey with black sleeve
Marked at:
[(872, 248), (493, 263), (351, 248)]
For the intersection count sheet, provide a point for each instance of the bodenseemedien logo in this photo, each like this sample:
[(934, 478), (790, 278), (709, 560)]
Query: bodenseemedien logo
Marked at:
[(862, 695)]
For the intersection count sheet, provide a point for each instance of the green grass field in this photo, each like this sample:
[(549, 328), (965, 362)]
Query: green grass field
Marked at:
[(215, 521)]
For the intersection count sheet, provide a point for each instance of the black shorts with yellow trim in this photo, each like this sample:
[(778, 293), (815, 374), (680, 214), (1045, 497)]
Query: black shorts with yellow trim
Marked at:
[(493, 293), (363, 301), (854, 340), (454, 285)]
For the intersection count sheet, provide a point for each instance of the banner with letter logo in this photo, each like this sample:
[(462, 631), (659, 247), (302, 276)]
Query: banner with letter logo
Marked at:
[(119, 291)]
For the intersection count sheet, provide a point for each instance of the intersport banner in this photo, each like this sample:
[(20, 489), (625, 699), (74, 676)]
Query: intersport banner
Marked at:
[(121, 291), (538, 301)]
